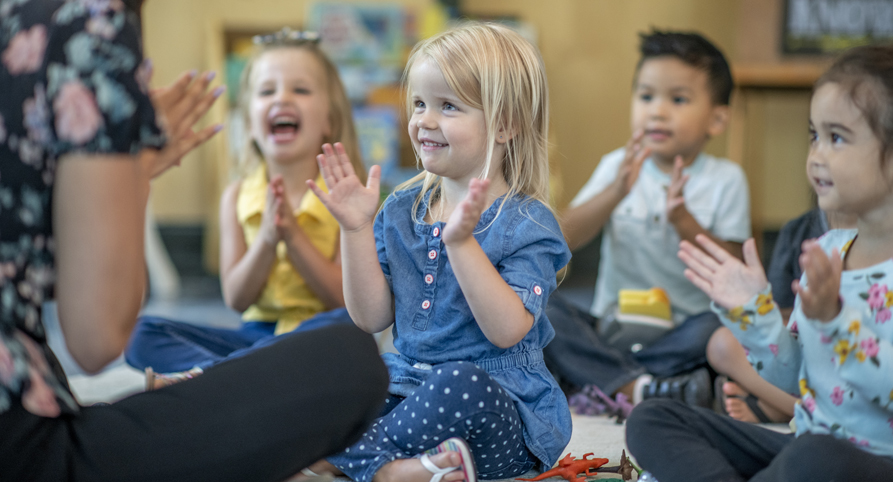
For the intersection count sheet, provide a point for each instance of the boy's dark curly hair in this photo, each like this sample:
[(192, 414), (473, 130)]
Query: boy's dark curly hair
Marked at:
[(694, 50)]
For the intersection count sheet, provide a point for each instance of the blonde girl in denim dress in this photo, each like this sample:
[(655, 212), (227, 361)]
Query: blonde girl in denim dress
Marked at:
[(460, 261)]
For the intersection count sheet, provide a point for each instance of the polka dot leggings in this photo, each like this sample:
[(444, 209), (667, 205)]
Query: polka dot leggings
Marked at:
[(458, 399)]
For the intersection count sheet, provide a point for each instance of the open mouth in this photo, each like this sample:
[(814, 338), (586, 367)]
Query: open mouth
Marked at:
[(284, 128), (822, 186), (431, 145), (657, 134)]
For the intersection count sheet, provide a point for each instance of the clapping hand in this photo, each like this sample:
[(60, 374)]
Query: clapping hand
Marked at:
[(352, 204), (178, 107), (675, 198), (634, 156), (723, 277), (460, 226), (284, 217), (821, 299), (268, 234)]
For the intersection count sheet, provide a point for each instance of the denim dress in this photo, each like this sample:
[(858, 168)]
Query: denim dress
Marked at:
[(434, 324)]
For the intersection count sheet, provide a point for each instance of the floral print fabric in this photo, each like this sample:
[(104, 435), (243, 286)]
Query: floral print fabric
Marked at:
[(841, 370), (73, 80)]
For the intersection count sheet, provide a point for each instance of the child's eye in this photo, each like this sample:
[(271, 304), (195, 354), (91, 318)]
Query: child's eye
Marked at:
[(813, 136), (302, 90), (645, 97), (836, 138), (418, 104), (266, 92), (680, 100), (448, 106)]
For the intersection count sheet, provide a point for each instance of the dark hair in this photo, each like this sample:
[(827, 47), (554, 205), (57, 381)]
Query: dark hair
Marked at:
[(694, 50), (866, 73)]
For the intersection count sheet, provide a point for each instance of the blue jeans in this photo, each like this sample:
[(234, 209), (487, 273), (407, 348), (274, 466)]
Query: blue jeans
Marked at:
[(458, 400), (173, 346), (578, 357)]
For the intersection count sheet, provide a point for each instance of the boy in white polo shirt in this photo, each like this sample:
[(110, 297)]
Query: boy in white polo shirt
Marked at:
[(644, 198)]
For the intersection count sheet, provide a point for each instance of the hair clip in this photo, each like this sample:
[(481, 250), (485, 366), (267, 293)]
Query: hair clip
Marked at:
[(286, 35)]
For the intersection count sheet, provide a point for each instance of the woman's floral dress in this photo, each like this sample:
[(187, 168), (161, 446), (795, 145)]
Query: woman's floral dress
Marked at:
[(72, 78)]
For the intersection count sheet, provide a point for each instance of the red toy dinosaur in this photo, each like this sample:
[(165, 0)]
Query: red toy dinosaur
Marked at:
[(569, 468)]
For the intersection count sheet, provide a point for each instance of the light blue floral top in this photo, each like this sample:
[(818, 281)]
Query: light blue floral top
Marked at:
[(72, 79), (434, 323), (842, 370)]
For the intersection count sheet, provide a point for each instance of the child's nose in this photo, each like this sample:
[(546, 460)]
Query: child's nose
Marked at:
[(658, 109), (426, 122)]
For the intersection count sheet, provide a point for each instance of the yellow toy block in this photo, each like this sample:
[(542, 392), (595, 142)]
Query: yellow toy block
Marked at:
[(653, 302)]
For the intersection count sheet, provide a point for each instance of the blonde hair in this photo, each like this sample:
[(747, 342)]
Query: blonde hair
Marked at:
[(340, 113), (492, 68)]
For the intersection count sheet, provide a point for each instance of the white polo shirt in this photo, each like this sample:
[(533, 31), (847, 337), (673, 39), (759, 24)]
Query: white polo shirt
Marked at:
[(639, 245)]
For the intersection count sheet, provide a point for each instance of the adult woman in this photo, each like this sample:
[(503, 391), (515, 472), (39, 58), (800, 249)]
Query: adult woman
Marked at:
[(78, 147)]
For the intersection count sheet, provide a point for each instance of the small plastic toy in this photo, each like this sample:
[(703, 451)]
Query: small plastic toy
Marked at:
[(654, 302), (570, 468)]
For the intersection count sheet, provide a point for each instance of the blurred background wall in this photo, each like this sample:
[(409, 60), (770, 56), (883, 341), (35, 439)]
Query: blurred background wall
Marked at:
[(590, 51)]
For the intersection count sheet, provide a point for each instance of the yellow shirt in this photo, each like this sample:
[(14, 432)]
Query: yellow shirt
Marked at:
[(286, 298)]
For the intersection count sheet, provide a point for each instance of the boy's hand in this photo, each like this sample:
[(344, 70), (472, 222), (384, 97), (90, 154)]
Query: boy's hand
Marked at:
[(628, 172), (284, 214), (352, 204), (465, 217), (723, 277), (821, 299), (675, 198)]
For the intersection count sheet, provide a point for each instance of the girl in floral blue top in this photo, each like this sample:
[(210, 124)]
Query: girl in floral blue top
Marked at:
[(460, 261), (837, 349), (78, 146)]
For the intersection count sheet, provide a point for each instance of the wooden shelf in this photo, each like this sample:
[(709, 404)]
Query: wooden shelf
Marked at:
[(786, 75)]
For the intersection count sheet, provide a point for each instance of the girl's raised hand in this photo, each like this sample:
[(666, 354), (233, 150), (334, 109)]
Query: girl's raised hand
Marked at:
[(352, 204), (460, 225), (821, 299), (723, 277)]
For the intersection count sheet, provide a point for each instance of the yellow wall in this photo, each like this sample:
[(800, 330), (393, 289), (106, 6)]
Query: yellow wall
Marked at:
[(590, 50)]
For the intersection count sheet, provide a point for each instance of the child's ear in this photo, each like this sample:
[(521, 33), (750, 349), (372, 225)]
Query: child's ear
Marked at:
[(719, 120), (504, 135)]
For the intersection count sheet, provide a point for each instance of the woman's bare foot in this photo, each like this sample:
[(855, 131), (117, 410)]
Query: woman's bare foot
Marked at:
[(737, 407), (412, 470), (155, 380)]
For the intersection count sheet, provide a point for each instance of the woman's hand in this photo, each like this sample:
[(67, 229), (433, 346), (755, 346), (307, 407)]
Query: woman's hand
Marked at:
[(178, 107), (352, 204), (821, 299), (723, 277), (460, 225)]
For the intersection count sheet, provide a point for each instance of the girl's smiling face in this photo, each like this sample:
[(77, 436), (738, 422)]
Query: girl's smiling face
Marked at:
[(289, 107), (845, 165), (449, 135)]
